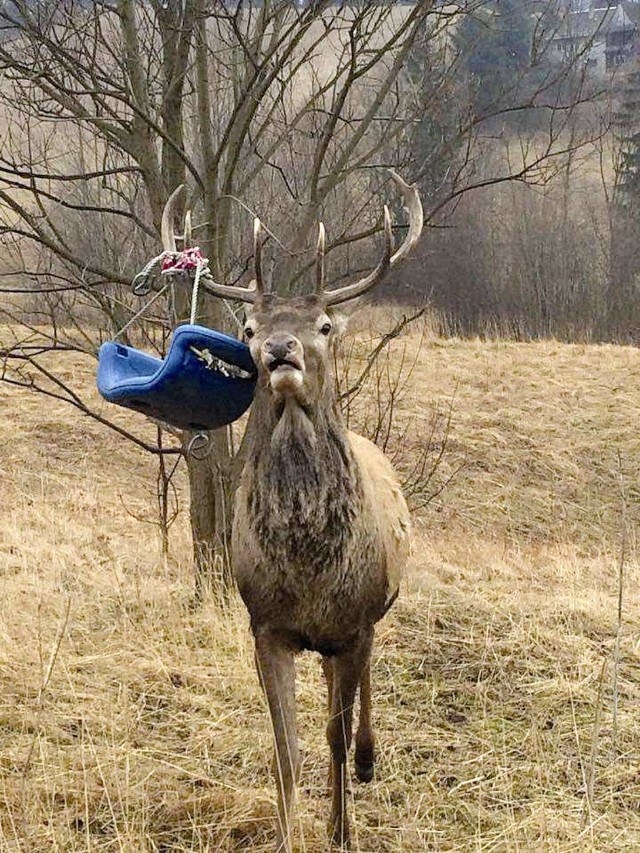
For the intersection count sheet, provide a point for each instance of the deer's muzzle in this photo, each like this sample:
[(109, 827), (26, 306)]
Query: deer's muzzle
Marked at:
[(282, 350), (282, 355)]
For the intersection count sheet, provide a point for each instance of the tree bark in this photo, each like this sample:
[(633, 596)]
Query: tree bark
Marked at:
[(212, 483)]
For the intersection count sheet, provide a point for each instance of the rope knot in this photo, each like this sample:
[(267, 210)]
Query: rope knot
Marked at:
[(187, 260)]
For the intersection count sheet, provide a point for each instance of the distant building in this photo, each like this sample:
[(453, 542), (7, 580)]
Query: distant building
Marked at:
[(605, 33)]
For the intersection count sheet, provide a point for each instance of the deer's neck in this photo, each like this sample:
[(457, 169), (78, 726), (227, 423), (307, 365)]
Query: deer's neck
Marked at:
[(305, 490)]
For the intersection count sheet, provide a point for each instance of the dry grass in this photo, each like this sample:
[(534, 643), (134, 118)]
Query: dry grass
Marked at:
[(130, 721)]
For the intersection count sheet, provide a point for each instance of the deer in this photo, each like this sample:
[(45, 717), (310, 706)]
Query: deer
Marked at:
[(321, 530)]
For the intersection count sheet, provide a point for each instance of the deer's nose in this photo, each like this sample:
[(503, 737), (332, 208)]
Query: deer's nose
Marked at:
[(280, 345), (282, 350)]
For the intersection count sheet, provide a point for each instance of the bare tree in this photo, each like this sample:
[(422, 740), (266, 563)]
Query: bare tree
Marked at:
[(260, 108)]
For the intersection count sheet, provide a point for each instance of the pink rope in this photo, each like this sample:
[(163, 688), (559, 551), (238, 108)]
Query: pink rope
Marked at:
[(189, 259)]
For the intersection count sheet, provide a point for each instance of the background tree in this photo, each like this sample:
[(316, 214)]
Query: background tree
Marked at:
[(495, 43), (622, 297)]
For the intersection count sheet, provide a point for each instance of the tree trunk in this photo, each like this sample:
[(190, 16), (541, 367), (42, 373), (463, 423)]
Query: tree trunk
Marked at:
[(212, 484)]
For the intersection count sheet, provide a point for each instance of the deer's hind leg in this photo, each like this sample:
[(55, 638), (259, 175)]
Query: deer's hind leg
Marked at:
[(276, 669), (365, 741)]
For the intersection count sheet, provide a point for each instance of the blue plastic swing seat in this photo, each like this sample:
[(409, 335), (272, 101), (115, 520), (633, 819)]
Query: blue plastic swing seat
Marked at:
[(181, 389)]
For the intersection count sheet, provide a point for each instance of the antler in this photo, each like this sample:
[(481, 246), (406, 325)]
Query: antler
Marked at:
[(389, 259), (257, 257), (226, 291), (320, 259), (413, 207), (168, 218)]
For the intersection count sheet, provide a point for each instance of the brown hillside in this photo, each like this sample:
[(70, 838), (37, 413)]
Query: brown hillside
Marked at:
[(130, 721)]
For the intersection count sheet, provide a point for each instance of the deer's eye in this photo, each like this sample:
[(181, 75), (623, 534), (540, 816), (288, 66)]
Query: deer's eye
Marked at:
[(248, 332), (325, 329)]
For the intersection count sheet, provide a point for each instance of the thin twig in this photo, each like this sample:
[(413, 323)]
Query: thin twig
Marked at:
[(62, 627), (591, 770), (621, 565), (386, 339)]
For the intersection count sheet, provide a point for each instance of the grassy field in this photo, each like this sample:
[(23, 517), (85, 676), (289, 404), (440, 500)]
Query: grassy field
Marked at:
[(130, 721)]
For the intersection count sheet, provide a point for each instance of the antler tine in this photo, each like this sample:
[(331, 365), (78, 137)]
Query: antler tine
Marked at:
[(351, 291), (320, 258), (168, 218), (188, 230), (413, 206), (243, 294), (257, 256)]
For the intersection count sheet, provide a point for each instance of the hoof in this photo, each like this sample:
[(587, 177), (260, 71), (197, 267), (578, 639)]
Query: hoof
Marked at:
[(364, 772)]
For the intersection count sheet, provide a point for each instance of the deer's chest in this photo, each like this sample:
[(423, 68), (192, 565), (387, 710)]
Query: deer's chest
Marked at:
[(304, 556), (315, 586)]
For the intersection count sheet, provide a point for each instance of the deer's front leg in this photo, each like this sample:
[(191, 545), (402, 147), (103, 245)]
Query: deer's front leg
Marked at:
[(277, 675), (347, 673), (327, 668)]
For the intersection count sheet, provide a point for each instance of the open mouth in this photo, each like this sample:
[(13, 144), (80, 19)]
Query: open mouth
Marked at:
[(283, 364)]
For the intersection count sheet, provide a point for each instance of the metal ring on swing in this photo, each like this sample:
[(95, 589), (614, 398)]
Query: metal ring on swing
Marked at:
[(199, 446), (140, 284)]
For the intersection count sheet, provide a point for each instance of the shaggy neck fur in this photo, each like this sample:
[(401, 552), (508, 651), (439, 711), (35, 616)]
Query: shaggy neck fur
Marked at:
[(305, 488)]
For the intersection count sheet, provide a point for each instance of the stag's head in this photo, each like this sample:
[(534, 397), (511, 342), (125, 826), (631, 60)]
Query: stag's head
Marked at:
[(291, 338), (290, 341)]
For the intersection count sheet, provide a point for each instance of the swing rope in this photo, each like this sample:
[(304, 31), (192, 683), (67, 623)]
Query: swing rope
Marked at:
[(188, 260), (142, 310), (195, 291)]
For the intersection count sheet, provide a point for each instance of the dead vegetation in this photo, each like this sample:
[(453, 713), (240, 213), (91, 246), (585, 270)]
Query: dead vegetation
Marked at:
[(131, 721)]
